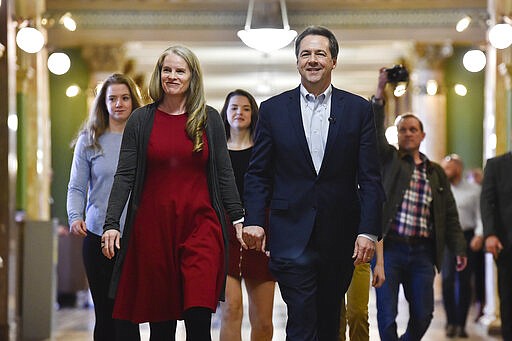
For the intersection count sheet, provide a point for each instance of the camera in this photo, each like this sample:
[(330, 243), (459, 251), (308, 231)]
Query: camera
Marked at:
[(397, 74)]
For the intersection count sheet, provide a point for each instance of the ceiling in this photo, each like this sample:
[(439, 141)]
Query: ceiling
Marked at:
[(372, 34)]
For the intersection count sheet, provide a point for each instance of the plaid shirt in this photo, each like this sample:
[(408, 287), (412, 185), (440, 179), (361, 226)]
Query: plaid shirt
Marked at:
[(413, 217)]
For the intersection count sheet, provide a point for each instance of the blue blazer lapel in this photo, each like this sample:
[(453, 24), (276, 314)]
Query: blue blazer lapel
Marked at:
[(295, 116), (337, 106)]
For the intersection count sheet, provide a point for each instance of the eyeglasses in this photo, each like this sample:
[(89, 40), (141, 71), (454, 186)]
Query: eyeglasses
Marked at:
[(451, 157)]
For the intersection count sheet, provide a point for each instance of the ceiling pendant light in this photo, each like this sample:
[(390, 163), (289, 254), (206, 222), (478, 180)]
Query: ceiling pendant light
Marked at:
[(267, 39)]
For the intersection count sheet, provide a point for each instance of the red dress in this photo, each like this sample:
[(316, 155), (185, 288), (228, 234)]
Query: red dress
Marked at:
[(175, 256)]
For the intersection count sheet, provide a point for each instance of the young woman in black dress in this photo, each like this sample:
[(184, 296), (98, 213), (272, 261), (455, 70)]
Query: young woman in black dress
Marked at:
[(240, 114)]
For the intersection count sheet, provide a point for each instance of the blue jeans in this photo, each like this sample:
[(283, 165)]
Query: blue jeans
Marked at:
[(411, 265)]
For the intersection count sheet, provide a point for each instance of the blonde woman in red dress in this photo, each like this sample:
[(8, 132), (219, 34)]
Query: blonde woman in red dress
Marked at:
[(174, 169)]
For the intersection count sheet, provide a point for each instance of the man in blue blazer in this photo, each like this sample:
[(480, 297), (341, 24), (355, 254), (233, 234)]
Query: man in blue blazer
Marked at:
[(315, 165)]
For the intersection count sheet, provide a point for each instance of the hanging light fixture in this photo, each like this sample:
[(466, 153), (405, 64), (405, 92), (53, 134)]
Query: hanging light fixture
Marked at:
[(267, 39)]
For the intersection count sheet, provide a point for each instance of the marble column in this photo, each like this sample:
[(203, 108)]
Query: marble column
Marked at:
[(428, 96), (32, 87)]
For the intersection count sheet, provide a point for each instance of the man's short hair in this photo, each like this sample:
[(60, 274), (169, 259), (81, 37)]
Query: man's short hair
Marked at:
[(318, 31), (409, 115)]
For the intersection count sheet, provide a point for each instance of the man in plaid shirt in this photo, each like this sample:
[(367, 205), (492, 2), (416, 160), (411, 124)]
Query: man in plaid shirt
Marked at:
[(419, 219)]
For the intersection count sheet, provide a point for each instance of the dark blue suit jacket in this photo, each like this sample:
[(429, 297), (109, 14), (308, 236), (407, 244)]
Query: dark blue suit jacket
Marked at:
[(496, 198), (343, 200)]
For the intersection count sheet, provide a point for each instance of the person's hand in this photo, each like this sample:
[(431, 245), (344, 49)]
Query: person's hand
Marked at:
[(78, 227), (462, 261), (254, 237), (110, 240), (493, 245), (239, 228), (477, 243), (379, 277), (364, 249), (381, 85)]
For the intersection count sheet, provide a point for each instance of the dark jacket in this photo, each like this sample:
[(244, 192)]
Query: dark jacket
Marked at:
[(341, 201), (496, 198), (131, 169), (397, 170)]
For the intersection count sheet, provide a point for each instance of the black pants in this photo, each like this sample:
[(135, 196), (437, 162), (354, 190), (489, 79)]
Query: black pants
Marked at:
[(312, 287), (99, 271), (457, 291), (197, 324), (504, 264)]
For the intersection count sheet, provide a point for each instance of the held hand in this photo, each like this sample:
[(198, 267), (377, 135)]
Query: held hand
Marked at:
[(254, 237), (364, 249), (379, 277), (493, 245), (79, 228), (461, 263), (477, 243), (109, 242), (239, 228)]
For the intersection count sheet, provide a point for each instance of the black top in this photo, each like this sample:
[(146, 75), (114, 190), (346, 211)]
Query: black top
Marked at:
[(240, 162)]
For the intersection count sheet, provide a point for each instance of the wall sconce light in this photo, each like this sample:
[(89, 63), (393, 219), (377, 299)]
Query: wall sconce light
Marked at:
[(474, 60), (400, 89), (267, 39), (59, 63), (2, 49), (463, 23), (500, 35), (432, 87), (68, 22), (65, 20), (460, 89), (29, 39), (72, 90)]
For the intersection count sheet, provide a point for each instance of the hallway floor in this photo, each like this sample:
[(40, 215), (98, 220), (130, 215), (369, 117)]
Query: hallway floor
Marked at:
[(76, 324)]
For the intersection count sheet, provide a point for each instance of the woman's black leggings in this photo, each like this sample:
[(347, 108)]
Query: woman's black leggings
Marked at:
[(197, 323)]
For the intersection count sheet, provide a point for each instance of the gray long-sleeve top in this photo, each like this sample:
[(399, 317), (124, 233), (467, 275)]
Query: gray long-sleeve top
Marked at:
[(90, 181)]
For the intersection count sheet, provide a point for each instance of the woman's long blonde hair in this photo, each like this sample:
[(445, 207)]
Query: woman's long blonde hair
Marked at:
[(195, 103), (98, 120)]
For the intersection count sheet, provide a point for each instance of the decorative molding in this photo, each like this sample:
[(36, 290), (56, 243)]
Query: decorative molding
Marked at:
[(104, 57), (96, 19)]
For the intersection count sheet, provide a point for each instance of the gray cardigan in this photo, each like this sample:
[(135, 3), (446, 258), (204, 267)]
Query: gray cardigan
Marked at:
[(131, 170)]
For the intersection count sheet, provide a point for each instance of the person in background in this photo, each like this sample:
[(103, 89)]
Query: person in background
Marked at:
[(496, 206), (175, 170), (92, 173), (419, 220), (475, 176), (457, 284), (240, 115), (354, 308), (315, 164)]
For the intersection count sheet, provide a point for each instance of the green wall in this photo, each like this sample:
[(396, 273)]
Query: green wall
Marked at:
[(67, 115), (464, 114)]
